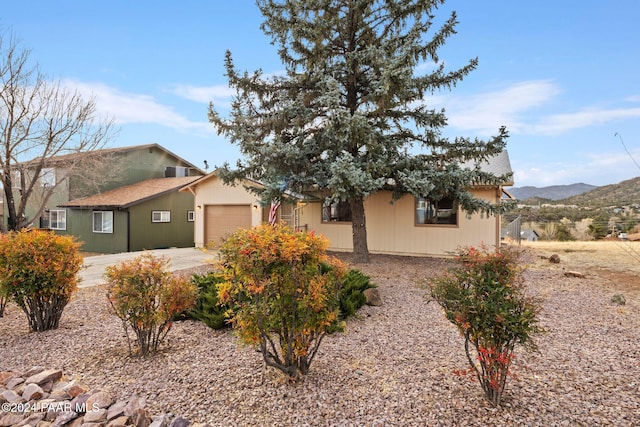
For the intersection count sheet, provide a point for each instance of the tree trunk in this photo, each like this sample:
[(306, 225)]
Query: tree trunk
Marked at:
[(359, 230)]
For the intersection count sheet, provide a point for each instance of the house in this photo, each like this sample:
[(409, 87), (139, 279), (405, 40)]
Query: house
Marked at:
[(101, 197), (221, 209), (151, 214), (408, 226)]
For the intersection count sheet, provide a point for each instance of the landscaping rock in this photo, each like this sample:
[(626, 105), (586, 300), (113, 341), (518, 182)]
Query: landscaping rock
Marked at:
[(10, 396), (373, 297), (13, 382), (94, 416), (100, 399), (32, 392), (44, 377), (179, 422), (574, 274), (618, 299)]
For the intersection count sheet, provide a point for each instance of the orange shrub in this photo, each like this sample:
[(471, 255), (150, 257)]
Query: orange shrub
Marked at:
[(284, 290), (146, 297), (39, 272)]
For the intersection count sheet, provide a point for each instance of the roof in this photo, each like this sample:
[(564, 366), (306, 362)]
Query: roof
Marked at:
[(497, 165), (133, 194), (73, 156)]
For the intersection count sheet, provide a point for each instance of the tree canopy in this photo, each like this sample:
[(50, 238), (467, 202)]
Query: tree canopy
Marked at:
[(40, 120), (350, 115)]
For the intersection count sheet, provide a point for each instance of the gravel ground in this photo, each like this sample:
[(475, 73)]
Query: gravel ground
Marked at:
[(392, 367)]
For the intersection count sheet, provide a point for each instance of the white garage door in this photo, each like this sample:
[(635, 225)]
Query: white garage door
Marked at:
[(221, 220)]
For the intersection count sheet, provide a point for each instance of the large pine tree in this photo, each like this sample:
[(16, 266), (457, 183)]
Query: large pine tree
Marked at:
[(350, 115)]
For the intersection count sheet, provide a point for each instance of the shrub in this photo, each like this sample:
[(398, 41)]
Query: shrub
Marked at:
[(484, 297), (285, 296), (39, 272), (3, 299), (146, 297), (207, 308)]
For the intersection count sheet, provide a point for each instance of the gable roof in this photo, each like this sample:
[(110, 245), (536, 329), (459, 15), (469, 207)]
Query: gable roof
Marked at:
[(497, 165), (128, 149), (129, 195)]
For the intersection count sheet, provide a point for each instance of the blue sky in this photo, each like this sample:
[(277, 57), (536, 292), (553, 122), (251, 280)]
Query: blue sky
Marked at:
[(561, 75)]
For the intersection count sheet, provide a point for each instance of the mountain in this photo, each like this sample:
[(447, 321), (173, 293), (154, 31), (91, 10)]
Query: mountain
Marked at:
[(624, 193), (553, 192)]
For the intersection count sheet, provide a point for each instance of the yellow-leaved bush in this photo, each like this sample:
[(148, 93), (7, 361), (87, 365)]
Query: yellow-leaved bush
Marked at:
[(146, 296), (39, 272), (283, 288)]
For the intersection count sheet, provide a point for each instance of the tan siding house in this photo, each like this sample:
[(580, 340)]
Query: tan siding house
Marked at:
[(405, 227)]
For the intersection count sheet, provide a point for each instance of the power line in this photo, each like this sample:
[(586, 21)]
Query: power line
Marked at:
[(626, 149)]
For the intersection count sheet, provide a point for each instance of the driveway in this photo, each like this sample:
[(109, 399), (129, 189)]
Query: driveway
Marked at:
[(180, 258)]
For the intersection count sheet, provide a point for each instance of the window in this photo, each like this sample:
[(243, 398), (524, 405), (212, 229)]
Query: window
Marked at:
[(444, 211), (48, 177), (161, 216), (336, 211), (58, 219), (54, 219), (103, 222), (191, 216)]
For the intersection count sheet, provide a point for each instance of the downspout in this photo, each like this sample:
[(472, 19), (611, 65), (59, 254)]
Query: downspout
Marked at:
[(128, 230)]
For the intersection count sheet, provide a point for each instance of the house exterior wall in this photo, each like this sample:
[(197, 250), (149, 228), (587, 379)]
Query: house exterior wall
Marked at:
[(80, 225), (391, 228), (146, 234), (129, 167), (212, 191)]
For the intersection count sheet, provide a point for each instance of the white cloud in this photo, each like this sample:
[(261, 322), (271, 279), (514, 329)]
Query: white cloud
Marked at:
[(217, 94), (559, 123), (134, 108), (486, 112), (517, 107)]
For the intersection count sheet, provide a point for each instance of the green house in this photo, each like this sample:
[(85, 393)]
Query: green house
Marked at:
[(151, 214), (118, 199)]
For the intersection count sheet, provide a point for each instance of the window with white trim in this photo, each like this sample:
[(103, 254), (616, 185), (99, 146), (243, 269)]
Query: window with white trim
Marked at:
[(58, 219), (103, 221), (191, 216), (55, 219), (436, 212), (161, 216)]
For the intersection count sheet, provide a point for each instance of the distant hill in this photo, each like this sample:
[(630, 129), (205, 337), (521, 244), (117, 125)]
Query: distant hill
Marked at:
[(624, 193), (553, 192)]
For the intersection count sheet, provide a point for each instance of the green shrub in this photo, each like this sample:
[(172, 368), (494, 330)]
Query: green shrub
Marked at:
[(208, 308), (39, 272), (215, 315), (284, 295), (484, 297), (146, 297)]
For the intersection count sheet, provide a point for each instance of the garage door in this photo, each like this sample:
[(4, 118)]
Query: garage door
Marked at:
[(221, 220)]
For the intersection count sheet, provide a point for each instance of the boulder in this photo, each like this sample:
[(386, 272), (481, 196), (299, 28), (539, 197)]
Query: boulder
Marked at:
[(180, 422), (373, 297), (574, 274), (140, 418), (554, 259), (44, 377), (618, 299), (134, 404), (63, 418), (122, 421), (13, 382), (94, 416), (10, 396), (32, 392), (101, 399)]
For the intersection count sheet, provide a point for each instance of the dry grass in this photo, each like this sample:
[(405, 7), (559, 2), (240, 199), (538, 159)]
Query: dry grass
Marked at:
[(616, 262)]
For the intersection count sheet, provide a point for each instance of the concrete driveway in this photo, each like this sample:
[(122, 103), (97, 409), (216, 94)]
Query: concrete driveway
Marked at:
[(180, 258)]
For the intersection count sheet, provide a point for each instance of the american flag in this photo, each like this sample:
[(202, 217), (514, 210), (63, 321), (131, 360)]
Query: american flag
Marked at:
[(273, 217)]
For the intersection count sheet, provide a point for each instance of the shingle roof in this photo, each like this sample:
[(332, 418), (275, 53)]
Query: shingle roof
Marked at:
[(133, 194), (497, 165)]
